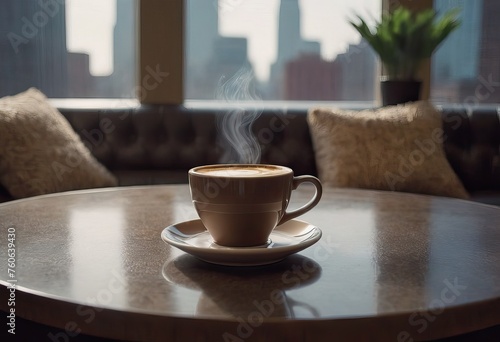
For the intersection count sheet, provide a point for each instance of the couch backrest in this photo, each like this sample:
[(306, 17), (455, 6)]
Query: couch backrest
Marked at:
[(176, 138), (472, 145), (168, 137)]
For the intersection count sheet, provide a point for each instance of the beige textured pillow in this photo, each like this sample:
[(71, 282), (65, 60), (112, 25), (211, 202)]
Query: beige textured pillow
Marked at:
[(398, 148), (39, 151)]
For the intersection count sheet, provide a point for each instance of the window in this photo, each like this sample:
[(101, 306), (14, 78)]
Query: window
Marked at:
[(295, 50), (291, 49), (78, 48)]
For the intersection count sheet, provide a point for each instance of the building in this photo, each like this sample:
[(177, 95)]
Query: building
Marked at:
[(290, 47), (455, 63), (357, 75), (210, 58), (33, 48), (489, 47), (80, 81), (466, 67), (309, 77), (123, 80)]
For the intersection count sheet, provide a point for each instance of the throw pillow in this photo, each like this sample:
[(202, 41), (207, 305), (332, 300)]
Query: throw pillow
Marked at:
[(39, 151), (398, 148)]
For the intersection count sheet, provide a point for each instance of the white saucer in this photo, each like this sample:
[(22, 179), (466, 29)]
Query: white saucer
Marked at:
[(286, 239)]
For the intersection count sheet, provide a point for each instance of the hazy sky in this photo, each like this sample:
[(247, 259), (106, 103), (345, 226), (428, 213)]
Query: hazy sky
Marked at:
[(90, 27), (321, 20)]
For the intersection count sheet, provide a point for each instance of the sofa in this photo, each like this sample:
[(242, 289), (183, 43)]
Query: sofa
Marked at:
[(158, 144)]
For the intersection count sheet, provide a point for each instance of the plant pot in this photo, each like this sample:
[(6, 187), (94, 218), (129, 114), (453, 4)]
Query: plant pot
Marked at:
[(395, 92)]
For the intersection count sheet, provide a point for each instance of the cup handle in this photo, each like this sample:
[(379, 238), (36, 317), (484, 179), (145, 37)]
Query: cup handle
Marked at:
[(309, 205)]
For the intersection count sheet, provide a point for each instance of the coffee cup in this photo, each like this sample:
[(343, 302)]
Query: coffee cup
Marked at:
[(241, 204)]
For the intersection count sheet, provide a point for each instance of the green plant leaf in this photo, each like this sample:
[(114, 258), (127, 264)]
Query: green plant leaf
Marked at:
[(403, 38)]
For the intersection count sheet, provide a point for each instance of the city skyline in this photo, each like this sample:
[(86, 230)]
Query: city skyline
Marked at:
[(301, 72), (322, 21)]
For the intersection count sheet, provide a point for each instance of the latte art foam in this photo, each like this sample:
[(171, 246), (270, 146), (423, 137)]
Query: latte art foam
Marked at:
[(243, 171)]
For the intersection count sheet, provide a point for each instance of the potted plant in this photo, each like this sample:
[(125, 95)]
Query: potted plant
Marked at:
[(403, 39)]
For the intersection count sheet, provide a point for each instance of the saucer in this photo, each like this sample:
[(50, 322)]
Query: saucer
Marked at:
[(286, 239)]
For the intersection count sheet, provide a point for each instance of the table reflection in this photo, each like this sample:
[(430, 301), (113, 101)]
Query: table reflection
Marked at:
[(249, 293)]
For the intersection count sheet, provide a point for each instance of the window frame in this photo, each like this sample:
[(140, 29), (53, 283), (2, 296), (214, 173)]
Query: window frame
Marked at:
[(160, 21)]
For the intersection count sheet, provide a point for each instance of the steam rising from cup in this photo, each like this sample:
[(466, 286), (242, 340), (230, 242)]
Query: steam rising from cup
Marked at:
[(235, 126)]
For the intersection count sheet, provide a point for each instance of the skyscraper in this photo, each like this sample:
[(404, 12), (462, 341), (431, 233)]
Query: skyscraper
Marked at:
[(124, 50), (290, 46), (470, 56), (210, 58), (457, 59), (357, 73), (309, 77), (33, 47), (289, 38), (202, 29), (489, 60)]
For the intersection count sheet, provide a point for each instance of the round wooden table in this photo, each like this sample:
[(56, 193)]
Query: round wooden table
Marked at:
[(389, 267)]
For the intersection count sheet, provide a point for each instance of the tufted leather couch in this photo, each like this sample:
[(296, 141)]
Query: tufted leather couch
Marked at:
[(472, 147), (158, 144)]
